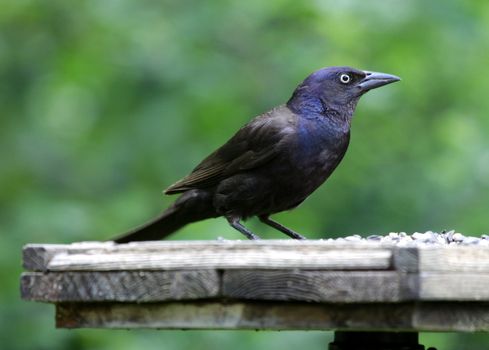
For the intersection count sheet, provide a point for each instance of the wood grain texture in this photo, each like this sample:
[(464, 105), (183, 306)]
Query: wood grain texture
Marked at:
[(174, 255), (454, 258), (262, 254), (467, 286), (316, 286), (35, 257), (406, 259), (277, 316), (452, 317), (282, 284), (126, 286)]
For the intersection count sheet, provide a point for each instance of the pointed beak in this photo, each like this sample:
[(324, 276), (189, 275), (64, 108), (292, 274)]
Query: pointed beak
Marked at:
[(374, 80)]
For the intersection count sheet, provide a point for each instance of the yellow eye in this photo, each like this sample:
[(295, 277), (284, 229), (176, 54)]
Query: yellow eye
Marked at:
[(345, 78)]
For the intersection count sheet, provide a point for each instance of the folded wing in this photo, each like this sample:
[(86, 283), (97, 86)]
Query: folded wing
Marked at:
[(255, 144)]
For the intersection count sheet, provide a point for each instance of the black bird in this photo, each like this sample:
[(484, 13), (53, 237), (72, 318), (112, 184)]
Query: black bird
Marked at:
[(274, 162)]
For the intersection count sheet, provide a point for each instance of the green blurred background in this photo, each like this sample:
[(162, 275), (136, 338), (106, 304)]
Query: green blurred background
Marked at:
[(105, 103)]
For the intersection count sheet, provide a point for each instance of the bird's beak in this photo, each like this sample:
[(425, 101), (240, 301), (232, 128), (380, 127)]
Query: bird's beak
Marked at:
[(374, 80)]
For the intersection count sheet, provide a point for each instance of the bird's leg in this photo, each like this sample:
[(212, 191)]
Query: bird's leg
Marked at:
[(266, 220), (235, 223)]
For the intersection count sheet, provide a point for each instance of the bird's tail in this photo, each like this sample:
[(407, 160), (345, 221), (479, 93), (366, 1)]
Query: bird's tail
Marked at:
[(192, 206)]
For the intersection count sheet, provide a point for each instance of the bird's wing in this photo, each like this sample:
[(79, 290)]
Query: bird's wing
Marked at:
[(253, 145)]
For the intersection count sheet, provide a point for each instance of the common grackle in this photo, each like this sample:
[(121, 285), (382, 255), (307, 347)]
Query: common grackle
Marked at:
[(272, 163)]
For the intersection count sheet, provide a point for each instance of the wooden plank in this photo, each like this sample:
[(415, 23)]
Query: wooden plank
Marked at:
[(175, 255), (35, 257), (405, 259), (232, 315), (273, 285), (277, 316), (440, 258), (316, 286), (431, 258), (454, 258), (452, 317), (126, 286), (467, 286)]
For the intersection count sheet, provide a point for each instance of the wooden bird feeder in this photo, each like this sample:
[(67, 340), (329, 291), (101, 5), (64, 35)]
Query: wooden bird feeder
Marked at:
[(374, 295)]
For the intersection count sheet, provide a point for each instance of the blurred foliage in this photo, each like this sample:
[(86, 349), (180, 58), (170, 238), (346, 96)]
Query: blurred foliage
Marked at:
[(105, 103)]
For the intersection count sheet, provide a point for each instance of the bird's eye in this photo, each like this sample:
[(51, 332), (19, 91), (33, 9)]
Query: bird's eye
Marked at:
[(345, 78)]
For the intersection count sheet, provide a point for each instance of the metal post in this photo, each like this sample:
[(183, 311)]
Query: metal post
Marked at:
[(376, 341)]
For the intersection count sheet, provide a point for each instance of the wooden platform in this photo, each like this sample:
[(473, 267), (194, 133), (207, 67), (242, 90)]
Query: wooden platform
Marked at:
[(269, 284)]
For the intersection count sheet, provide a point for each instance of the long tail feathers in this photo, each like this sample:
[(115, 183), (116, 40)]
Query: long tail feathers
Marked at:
[(190, 207), (159, 228)]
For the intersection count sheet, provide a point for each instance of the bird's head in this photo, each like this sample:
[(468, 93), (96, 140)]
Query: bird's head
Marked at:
[(336, 88)]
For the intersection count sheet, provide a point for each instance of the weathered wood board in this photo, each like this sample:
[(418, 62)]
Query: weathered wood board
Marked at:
[(120, 286), (174, 255), (315, 286), (277, 316), (283, 284)]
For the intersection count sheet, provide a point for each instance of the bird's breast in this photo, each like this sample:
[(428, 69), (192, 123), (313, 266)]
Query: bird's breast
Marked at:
[(319, 148), (320, 143)]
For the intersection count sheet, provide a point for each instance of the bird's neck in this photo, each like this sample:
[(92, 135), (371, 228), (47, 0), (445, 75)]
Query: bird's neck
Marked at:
[(313, 107)]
